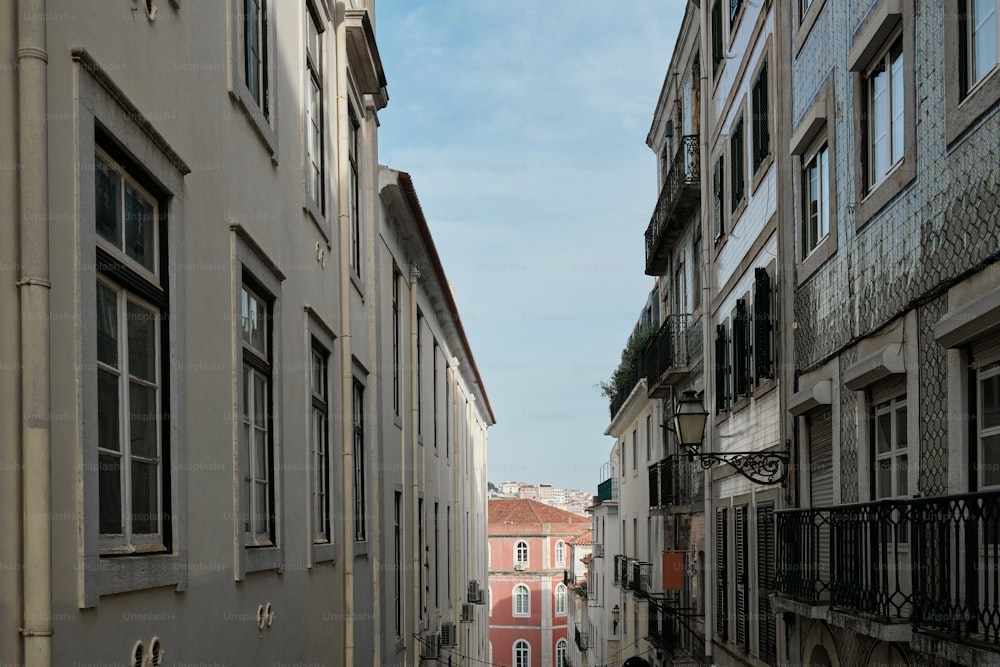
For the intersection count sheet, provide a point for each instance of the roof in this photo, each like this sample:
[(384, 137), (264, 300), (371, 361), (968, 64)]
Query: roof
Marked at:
[(583, 538), (513, 516)]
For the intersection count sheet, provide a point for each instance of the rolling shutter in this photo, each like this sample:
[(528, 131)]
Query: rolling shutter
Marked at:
[(740, 558), (721, 575), (766, 559)]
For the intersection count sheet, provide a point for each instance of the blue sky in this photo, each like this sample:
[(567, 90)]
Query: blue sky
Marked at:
[(523, 126)]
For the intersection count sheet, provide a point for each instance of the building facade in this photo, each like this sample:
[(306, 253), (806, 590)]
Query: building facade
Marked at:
[(195, 421), (529, 589), (895, 124)]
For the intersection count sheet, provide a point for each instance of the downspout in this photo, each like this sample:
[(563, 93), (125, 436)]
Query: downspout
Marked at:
[(414, 447), (346, 363), (33, 290), (456, 490)]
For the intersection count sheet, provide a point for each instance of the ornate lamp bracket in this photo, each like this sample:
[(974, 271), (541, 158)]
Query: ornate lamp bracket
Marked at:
[(758, 467)]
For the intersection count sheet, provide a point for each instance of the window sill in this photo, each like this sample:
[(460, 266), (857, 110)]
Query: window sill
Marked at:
[(356, 282), (739, 405), (761, 172), (122, 574), (260, 559), (764, 388), (316, 215), (884, 192), (255, 116), (734, 217), (361, 549), (806, 24), (966, 113), (823, 251), (324, 553)]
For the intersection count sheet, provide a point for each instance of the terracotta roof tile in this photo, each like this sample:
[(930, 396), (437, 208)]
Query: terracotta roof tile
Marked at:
[(511, 516)]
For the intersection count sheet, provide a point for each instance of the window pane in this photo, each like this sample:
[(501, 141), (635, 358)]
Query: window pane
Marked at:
[(883, 432), (990, 388), (883, 478), (260, 509), (107, 325), (896, 79), (259, 407), (990, 464), (902, 475), (110, 490), (879, 113), (145, 511), (139, 227), (901, 427), (260, 451), (107, 202), (824, 195), (107, 411), (984, 38), (141, 342), (142, 420), (254, 318)]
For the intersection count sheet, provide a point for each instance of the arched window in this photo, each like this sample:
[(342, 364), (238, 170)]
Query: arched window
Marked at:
[(560, 553), (521, 555), (560, 599), (561, 653), (522, 600), (522, 653)]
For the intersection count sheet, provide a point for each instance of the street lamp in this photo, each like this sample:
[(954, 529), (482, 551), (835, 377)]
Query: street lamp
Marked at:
[(615, 613), (689, 427)]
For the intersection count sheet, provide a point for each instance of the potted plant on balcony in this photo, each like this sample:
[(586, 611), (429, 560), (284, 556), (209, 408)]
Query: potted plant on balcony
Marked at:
[(626, 376)]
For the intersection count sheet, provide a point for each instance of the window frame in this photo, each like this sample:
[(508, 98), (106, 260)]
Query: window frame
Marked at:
[(259, 363), (716, 34), (320, 399), (561, 647), (359, 444), (321, 337), (560, 552), (984, 372), (815, 231), (737, 167), (898, 452), (354, 191), (107, 118), (263, 115), (519, 592), (517, 553), (965, 103), (315, 89), (888, 21), (560, 596), (719, 197), (254, 268), (761, 153)]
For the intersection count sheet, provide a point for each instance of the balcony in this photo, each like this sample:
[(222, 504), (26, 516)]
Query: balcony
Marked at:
[(607, 490), (581, 639), (621, 571), (671, 630), (675, 481), (679, 198), (931, 562), (635, 372), (640, 577), (671, 353)]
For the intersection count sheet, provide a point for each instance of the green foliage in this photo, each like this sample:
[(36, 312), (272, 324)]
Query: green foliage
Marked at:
[(622, 379)]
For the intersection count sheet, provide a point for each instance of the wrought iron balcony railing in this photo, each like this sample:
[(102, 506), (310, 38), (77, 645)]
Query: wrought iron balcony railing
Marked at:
[(640, 577), (674, 480), (679, 197), (671, 353), (581, 639), (607, 490), (621, 572), (671, 629), (934, 562)]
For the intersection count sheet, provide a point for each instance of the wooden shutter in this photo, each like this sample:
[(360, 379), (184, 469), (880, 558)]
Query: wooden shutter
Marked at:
[(766, 559), (741, 351), (761, 131), (763, 361), (716, 36), (720, 368), (721, 575), (740, 561)]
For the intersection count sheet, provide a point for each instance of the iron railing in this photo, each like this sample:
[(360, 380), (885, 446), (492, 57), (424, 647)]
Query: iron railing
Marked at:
[(640, 577), (581, 639), (680, 194), (933, 562), (671, 629), (621, 570), (671, 352), (675, 480)]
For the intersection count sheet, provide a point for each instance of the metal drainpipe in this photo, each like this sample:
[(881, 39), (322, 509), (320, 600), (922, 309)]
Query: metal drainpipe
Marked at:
[(34, 286), (346, 364), (414, 447), (456, 490)]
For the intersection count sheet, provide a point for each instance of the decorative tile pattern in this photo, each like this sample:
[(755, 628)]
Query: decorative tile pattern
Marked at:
[(933, 402), (848, 435)]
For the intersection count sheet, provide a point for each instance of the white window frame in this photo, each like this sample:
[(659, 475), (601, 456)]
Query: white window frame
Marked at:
[(560, 601), (894, 117), (986, 372), (261, 113), (561, 647), (560, 553), (814, 234), (519, 592), (896, 458), (973, 25), (315, 111), (518, 553), (319, 436), (521, 653), (354, 191)]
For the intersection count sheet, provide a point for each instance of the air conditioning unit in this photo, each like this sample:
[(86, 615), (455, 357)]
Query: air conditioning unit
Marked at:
[(520, 566), (430, 646), (598, 551), (475, 592), (481, 598), (468, 613), (449, 634)]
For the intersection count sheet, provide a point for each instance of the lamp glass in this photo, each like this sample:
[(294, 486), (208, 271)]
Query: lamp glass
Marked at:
[(689, 420)]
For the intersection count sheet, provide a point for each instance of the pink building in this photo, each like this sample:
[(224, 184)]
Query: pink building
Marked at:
[(529, 550)]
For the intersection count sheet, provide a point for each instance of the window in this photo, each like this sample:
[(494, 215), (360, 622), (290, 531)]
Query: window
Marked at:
[(721, 369), (734, 11), (718, 185), (521, 554), (255, 51), (396, 339), (718, 48), (635, 450), (522, 598), (803, 8), (560, 553), (354, 192), (397, 566), (315, 166), (420, 373), (763, 326), (434, 392), (982, 34), (721, 574), (447, 545), (489, 600), (649, 437), (319, 436), (760, 119), (623, 457), (891, 473), (766, 584), (360, 518), (256, 414), (884, 90), (522, 653), (988, 425), (737, 187), (742, 579), (696, 271), (741, 350), (561, 653), (133, 480), (560, 599), (680, 289), (816, 199), (437, 559)]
